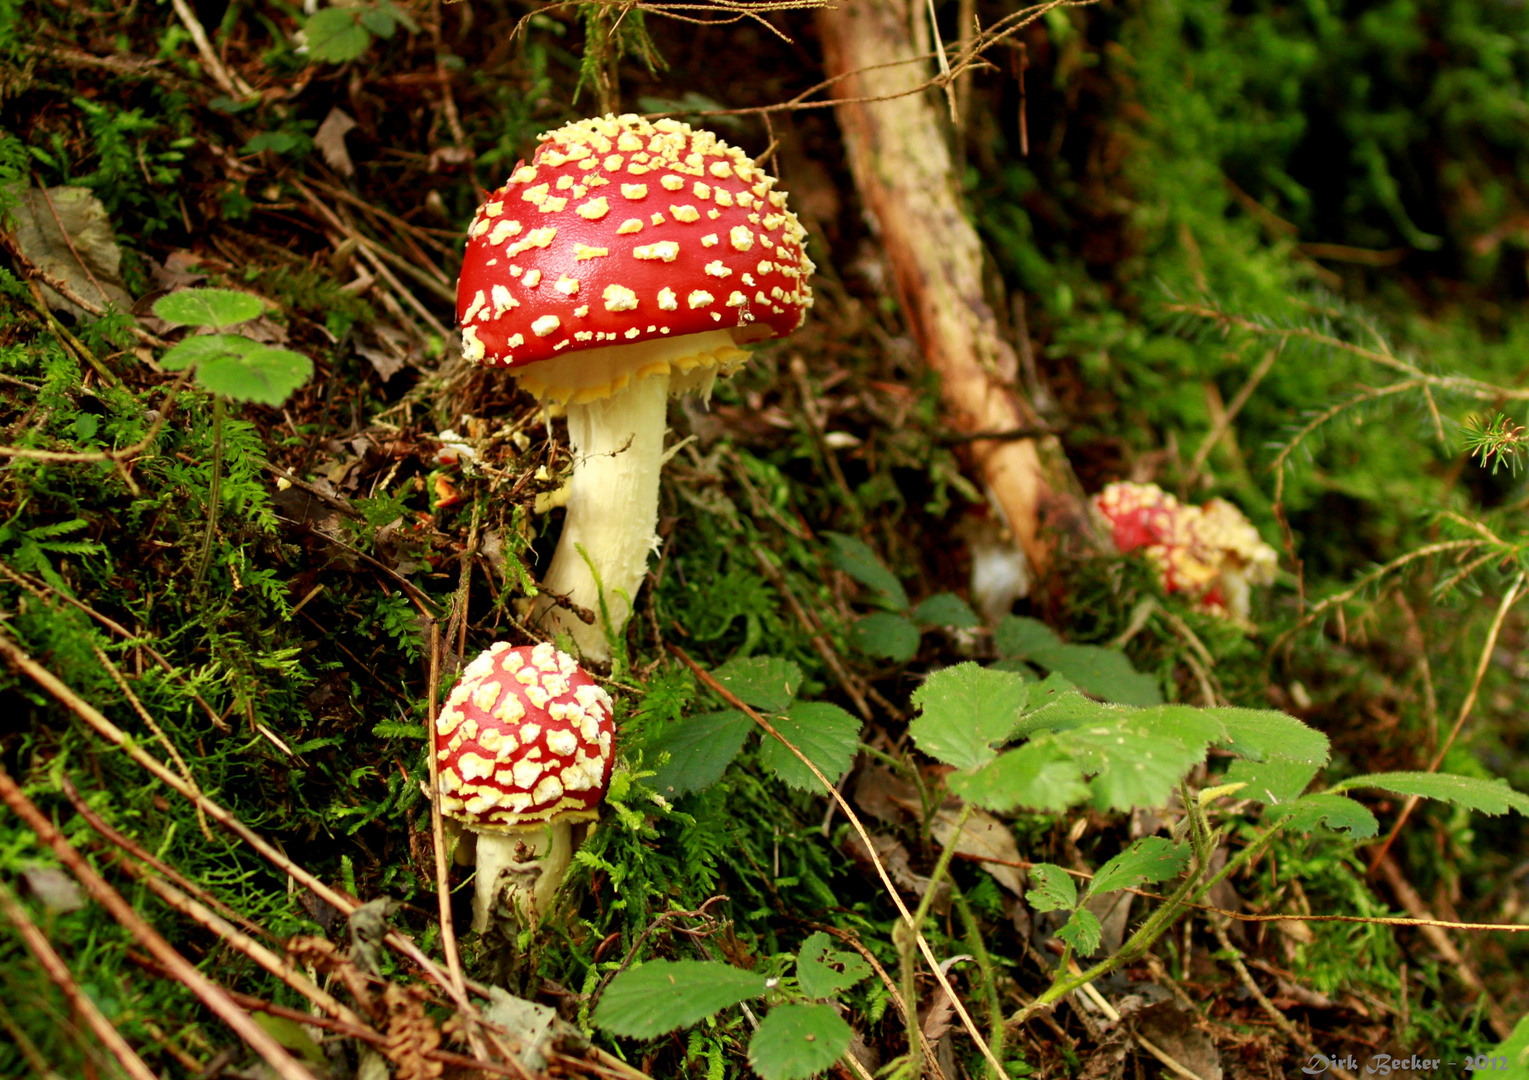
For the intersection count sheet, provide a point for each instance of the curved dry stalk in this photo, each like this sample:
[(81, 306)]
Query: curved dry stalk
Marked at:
[(907, 916), (54, 967)]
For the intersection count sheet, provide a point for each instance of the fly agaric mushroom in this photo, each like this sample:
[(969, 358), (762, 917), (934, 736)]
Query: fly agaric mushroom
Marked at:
[(523, 750), (1210, 552), (627, 262)]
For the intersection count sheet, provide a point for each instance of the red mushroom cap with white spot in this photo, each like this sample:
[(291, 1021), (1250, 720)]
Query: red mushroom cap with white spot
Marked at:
[(620, 231), (525, 739)]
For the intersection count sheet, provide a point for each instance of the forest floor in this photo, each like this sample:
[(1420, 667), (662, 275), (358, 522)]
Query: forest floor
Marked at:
[(229, 617)]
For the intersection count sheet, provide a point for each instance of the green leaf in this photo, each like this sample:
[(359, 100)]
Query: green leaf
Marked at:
[(827, 734), (857, 560), (1310, 812), (823, 972), (1516, 1049), (1487, 796), (1035, 776), (279, 142), (964, 710), (263, 375), (1056, 705), (1082, 932), (216, 308), (195, 350), (1137, 761), (1054, 888), (379, 20), (798, 1041), (291, 1035), (663, 995), (886, 637), (334, 36), (1276, 780), (700, 749), (765, 682), (946, 609), (1017, 636), (1105, 673), (1263, 734), (1151, 859)]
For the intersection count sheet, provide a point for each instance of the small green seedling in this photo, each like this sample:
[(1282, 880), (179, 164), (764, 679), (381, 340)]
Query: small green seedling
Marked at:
[(338, 34), (230, 365)]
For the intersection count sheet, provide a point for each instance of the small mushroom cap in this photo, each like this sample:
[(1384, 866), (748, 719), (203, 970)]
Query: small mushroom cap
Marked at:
[(525, 739), (1212, 551), (622, 231)]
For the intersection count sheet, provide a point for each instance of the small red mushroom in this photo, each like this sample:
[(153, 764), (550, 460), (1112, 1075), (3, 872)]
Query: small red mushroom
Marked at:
[(523, 751), (1210, 552), (627, 261)]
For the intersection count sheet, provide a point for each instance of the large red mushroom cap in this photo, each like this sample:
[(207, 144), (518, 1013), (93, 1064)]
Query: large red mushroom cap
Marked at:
[(624, 231), (524, 740)]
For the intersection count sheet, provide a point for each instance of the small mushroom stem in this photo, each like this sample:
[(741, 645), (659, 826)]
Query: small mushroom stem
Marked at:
[(618, 448), (525, 865)]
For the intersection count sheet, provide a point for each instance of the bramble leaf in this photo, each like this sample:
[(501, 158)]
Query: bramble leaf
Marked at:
[(334, 36), (964, 710), (1276, 780), (1150, 859), (886, 636), (216, 308), (856, 559), (1473, 793), (1262, 734), (1329, 810), (765, 682), (798, 1041), (700, 748), (1036, 775), (1018, 636), (823, 972), (946, 609), (1054, 889), (663, 995), (827, 734), (1082, 932), (1105, 673)]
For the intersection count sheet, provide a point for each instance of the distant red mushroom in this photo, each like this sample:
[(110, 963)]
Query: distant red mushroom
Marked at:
[(1211, 552), (628, 261), (523, 751)]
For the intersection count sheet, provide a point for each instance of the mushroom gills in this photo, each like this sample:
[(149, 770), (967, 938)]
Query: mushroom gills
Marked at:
[(522, 866), (694, 360)]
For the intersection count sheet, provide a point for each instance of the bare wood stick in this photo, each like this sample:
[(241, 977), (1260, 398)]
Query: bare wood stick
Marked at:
[(230, 84), (907, 182), (208, 992), (55, 968)]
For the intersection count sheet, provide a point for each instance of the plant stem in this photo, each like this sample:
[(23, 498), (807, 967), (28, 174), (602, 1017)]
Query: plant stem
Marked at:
[(214, 496), (989, 977), (905, 947)]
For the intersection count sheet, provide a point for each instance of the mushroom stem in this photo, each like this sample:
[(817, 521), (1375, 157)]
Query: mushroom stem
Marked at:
[(526, 865), (618, 448)]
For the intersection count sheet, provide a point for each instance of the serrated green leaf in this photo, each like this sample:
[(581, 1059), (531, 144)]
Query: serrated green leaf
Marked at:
[(822, 971), (1276, 780), (196, 350), (1054, 888), (334, 36), (1018, 636), (856, 559), (798, 1041), (829, 736), (1150, 859), (379, 20), (1056, 705), (1105, 673), (1037, 775), (1487, 796), (663, 995), (886, 637), (1326, 809), (765, 682), (964, 710), (1131, 763), (700, 749), (946, 609), (217, 308), (1082, 932), (1262, 734), (263, 375)]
